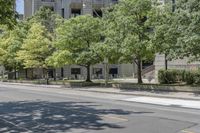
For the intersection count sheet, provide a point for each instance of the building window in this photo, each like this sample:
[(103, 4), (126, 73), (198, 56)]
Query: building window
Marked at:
[(48, 0), (63, 12), (62, 72), (113, 71), (75, 71), (115, 1), (75, 12), (50, 73), (97, 71), (97, 13)]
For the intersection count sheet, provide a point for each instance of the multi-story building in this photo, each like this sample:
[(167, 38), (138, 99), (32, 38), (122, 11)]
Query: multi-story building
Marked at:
[(67, 8), (73, 8)]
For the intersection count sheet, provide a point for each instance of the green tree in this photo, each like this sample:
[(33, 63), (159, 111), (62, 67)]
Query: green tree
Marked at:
[(47, 18), (76, 43), (7, 13), (10, 43), (166, 31), (36, 48), (112, 36), (188, 18), (177, 33), (50, 20), (130, 32)]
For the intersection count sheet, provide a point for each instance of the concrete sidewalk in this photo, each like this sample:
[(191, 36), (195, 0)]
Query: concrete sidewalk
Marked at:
[(160, 94)]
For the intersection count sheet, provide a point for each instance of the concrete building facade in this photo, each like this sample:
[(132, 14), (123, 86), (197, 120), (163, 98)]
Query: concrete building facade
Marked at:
[(67, 8)]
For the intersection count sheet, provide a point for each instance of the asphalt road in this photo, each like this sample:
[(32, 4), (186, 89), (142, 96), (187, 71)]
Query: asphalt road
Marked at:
[(50, 110)]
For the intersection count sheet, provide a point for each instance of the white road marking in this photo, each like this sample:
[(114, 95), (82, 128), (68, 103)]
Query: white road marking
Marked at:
[(166, 102), (184, 131)]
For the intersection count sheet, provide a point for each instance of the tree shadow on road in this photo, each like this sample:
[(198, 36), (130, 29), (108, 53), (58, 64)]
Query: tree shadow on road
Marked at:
[(43, 116)]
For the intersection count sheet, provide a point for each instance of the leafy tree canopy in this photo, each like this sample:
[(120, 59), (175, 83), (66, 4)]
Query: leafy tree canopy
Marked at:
[(36, 47), (76, 42), (10, 43), (130, 32), (188, 18), (7, 13), (47, 18)]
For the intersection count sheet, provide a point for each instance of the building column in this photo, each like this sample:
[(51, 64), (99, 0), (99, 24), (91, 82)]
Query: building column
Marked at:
[(87, 7)]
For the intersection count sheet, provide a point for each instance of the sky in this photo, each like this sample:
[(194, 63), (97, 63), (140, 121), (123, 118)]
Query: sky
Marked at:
[(20, 6)]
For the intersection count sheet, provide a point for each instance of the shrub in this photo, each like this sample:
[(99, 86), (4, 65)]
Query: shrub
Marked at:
[(171, 76), (177, 76), (193, 77), (189, 77)]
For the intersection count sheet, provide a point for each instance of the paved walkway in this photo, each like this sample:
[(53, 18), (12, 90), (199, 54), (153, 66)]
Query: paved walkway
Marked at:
[(161, 94)]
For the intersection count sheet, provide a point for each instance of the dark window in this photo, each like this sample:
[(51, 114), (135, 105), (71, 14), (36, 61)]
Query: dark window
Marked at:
[(97, 13), (62, 72), (146, 64), (50, 73), (75, 12), (113, 71), (97, 71), (48, 0), (115, 1), (75, 71), (63, 12)]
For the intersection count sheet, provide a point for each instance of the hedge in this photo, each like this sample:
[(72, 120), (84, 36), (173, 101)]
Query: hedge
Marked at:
[(172, 76)]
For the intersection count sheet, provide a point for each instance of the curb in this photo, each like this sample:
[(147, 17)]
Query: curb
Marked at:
[(35, 85), (104, 92)]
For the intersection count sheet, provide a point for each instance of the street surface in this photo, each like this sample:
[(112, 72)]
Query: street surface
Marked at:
[(29, 109)]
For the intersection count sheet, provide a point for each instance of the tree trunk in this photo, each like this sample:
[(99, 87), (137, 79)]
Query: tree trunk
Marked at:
[(139, 71), (47, 76), (26, 73), (54, 74), (88, 74), (166, 62), (32, 73), (15, 74)]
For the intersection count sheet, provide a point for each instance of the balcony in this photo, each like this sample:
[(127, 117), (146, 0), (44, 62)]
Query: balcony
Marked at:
[(49, 3), (98, 4)]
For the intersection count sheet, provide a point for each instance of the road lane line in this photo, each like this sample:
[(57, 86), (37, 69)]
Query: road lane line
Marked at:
[(166, 102), (186, 131), (116, 118)]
